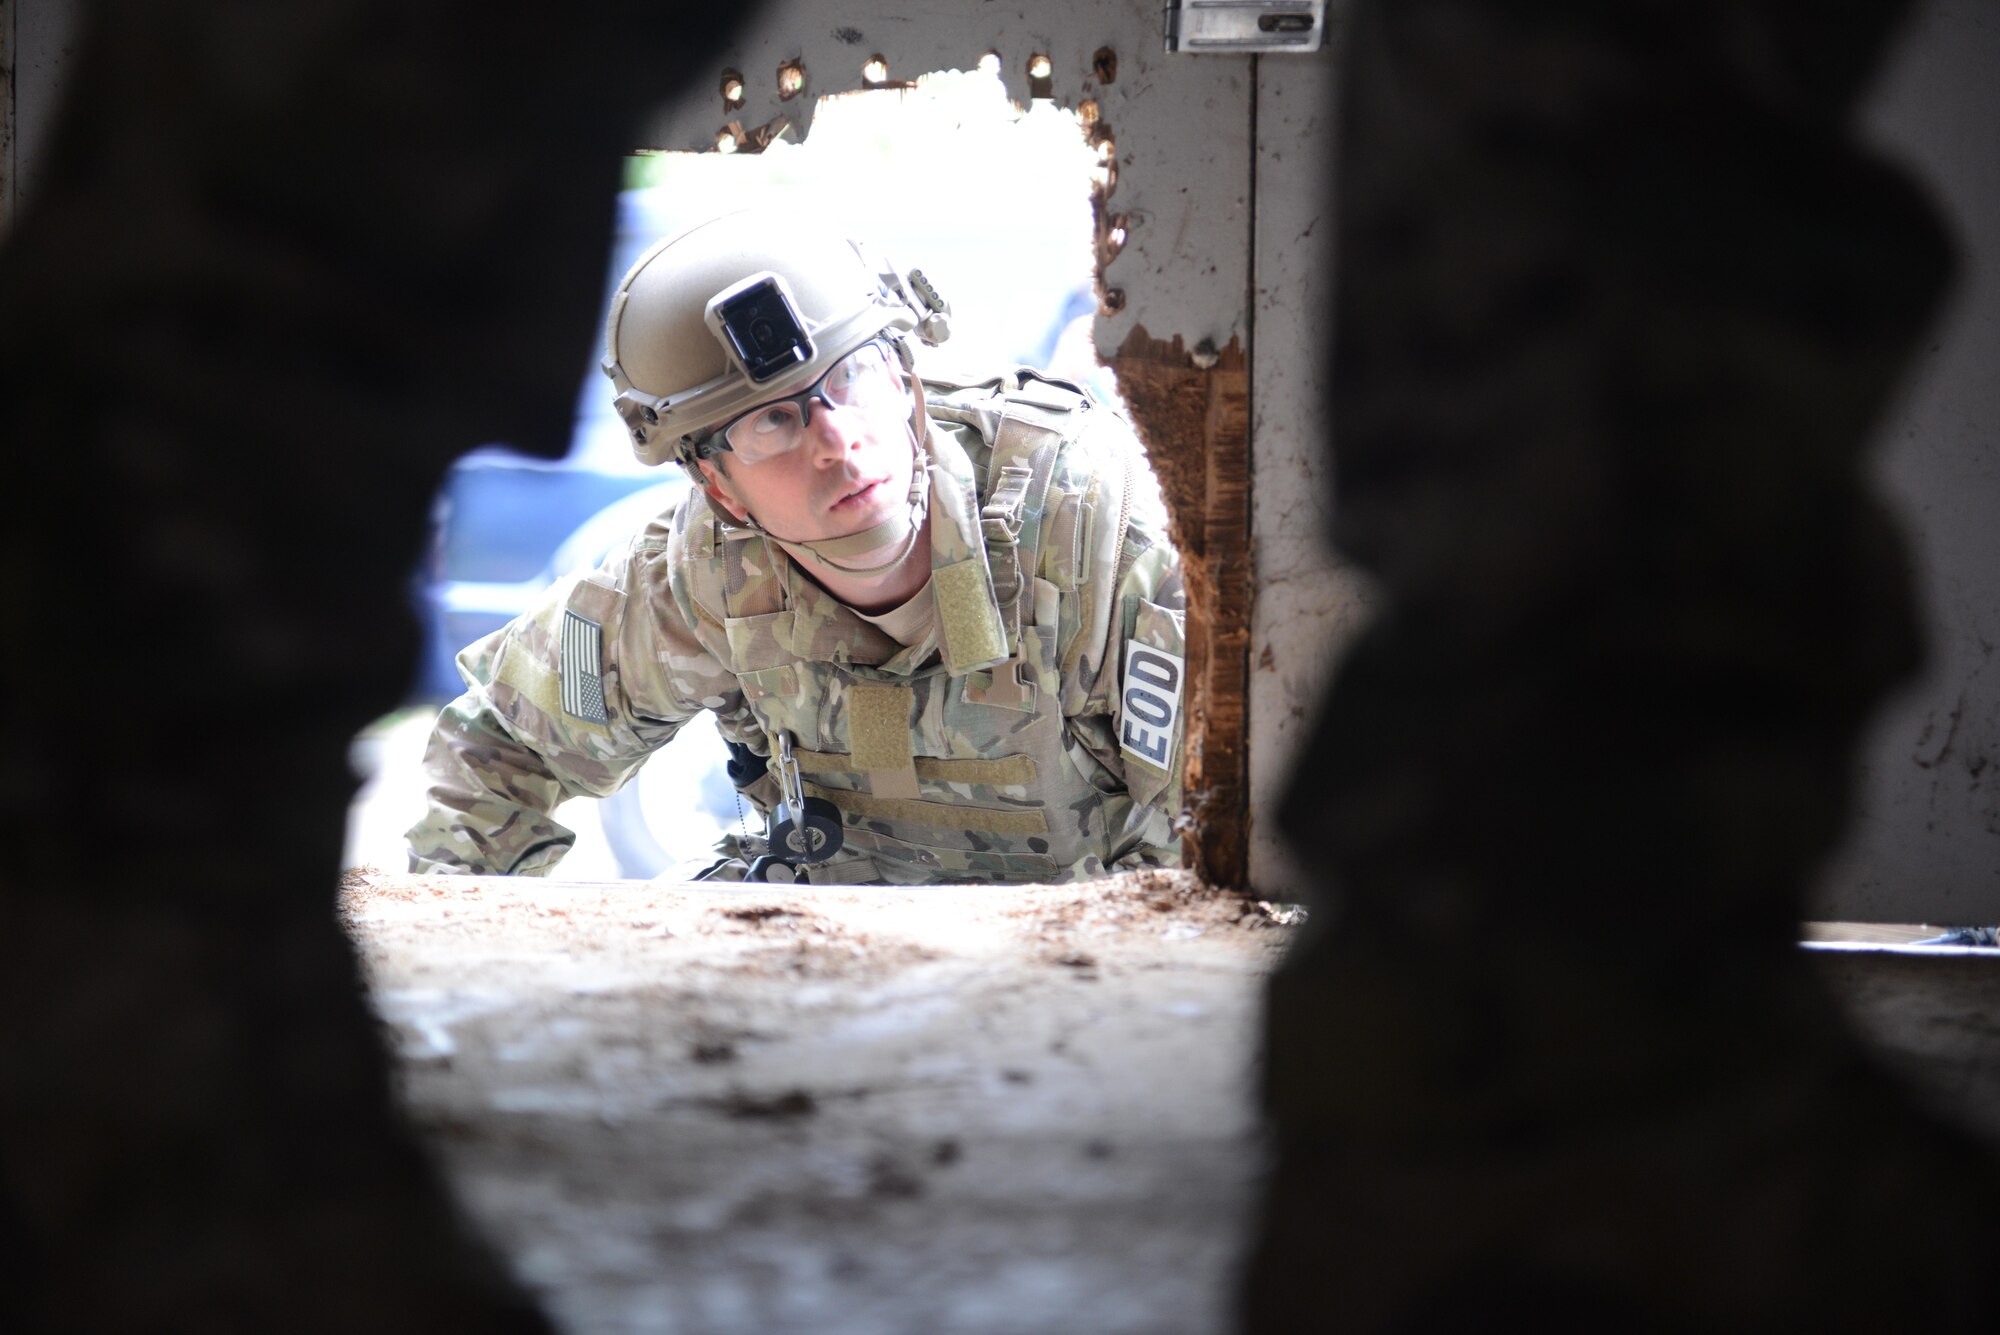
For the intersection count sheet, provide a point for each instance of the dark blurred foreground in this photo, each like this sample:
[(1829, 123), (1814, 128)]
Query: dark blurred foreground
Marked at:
[(1586, 254), (337, 244), (1621, 299)]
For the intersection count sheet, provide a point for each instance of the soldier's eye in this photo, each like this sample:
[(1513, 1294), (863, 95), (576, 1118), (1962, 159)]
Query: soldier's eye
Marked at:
[(778, 418), (766, 432), (859, 376), (845, 375)]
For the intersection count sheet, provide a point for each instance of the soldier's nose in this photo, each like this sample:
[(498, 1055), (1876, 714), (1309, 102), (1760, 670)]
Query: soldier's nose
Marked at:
[(834, 431)]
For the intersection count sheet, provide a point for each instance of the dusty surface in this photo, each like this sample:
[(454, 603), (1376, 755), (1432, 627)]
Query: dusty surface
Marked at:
[(971, 1109), (1932, 1014)]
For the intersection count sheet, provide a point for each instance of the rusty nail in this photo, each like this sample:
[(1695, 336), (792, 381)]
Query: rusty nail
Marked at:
[(1104, 65)]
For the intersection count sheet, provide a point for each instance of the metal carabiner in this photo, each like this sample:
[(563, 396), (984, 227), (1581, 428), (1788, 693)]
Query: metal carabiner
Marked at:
[(809, 830), (791, 788)]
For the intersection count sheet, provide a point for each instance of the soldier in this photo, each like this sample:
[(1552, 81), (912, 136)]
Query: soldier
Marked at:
[(939, 623)]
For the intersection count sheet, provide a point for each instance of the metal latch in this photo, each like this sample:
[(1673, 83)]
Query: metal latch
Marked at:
[(804, 830), (1234, 26)]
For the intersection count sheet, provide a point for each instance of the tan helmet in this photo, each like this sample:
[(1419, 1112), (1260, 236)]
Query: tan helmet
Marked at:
[(741, 309)]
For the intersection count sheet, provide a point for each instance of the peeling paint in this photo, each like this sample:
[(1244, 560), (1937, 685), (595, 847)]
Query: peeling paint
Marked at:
[(1040, 87), (1178, 121), (791, 80), (734, 138)]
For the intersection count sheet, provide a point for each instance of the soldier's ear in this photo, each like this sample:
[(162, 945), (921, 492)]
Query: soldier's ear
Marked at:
[(721, 492)]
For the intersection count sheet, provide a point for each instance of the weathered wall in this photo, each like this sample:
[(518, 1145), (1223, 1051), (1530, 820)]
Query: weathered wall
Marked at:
[(1925, 843), (9, 81), (1308, 602), (1926, 847), (45, 41), (1621, 302), (1180, 127)]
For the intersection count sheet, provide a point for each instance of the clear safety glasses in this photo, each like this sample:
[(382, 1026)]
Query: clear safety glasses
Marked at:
[(865, 378)]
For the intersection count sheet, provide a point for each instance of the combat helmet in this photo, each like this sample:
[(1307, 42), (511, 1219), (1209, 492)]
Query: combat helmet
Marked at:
[(741, 309)]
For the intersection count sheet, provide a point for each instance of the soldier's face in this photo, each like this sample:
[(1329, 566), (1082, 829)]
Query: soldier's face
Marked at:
[(851, 472)]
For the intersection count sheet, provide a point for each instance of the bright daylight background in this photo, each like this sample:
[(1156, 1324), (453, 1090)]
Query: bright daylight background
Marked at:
[(989, 200)]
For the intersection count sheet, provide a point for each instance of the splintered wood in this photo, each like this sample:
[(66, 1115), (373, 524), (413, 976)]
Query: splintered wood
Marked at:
[(965, 1108), (1195, 422)]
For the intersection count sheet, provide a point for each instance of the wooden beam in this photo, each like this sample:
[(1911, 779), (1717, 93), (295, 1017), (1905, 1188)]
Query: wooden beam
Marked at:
[(1195, 422)]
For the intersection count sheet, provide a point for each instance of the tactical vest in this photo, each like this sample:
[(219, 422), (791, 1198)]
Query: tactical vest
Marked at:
[(952, 765)]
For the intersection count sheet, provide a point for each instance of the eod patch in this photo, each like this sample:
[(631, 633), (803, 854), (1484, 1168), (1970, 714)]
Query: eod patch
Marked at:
[(1149, 707)]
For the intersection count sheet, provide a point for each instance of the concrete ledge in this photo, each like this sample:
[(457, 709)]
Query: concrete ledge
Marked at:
[(837, 1109)]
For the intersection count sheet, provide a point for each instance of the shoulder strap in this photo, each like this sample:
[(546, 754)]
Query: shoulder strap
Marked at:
[(1037, 422), (732, 572)]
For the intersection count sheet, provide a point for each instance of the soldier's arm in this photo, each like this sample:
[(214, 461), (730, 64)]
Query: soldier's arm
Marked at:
[(566, 701), (1132, 713)]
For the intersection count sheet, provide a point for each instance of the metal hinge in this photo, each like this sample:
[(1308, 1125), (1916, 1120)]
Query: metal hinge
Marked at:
[(1236, 26)]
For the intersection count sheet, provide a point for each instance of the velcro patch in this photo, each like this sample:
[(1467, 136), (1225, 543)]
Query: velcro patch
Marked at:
[(998, 772), (582, 669), (1149, 706), (938, 815), (878, 726), (973, 634)]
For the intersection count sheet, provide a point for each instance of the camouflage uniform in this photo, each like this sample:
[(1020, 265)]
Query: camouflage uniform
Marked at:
[(1004, 746)]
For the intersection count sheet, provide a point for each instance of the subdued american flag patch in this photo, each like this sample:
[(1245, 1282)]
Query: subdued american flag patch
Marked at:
[(582, 669)]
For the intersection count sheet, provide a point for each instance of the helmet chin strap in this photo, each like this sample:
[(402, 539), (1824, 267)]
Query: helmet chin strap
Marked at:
[(902, 528), (908, 525)]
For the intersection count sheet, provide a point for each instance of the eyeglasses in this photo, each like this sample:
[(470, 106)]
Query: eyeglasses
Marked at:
[(865, 378)]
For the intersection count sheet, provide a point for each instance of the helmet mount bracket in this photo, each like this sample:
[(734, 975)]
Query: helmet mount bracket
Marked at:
[(757, 321), (745, 308)]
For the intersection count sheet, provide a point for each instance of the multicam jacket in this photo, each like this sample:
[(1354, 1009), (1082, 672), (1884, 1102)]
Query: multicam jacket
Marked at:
[(1033, 735)]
